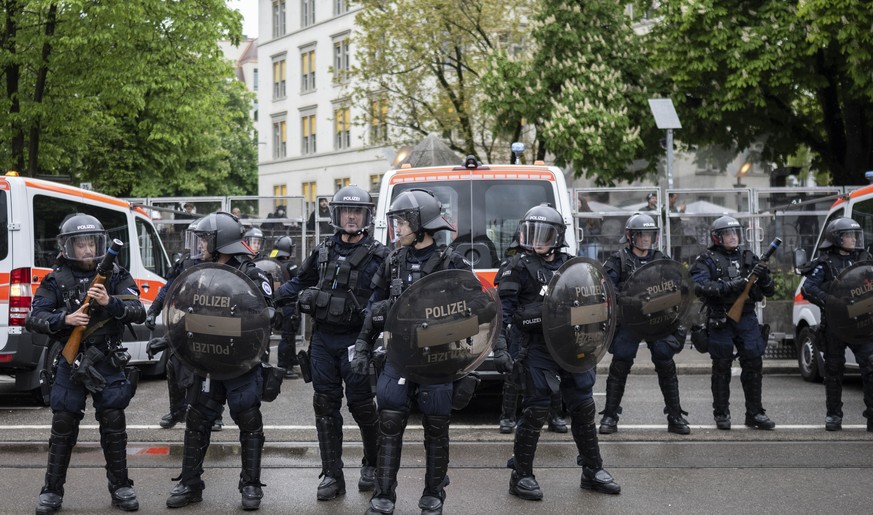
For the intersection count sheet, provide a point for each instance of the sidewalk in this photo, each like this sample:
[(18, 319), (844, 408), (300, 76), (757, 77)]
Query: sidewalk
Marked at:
[(690, 361)]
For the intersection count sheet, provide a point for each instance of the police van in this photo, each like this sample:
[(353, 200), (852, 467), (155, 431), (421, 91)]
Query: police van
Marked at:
[(484, 202), (31, 211), (857, 205)]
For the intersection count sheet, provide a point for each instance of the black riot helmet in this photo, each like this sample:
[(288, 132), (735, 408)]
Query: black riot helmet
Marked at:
[(542, 226), (421, 209), (82, 240), (254, 238), (193, 241), (839, 232), (355, 201), (283, 248), (223, 234), (637, 224), (723, 226)]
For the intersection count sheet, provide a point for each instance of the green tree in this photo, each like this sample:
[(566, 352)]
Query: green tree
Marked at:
[(583, 86), (119, 93), (793, 74), (425, 57)]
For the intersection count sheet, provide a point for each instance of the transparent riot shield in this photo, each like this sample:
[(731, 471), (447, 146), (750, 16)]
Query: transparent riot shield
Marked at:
[(579, 315), (442, 327), (655, 299), (852, 319), (217, 320)]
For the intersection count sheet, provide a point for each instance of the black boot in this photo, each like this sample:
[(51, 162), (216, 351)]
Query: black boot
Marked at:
[(833, 382), (392, 424), (330, 444), (509, 406), (669, 384), (751, 377), (65, 431), (251, 447), (367, 418), (594, 476), (190, 487), (113, 440), (721, 392), (556, 407), (523, 483), (436, 446), (618, 372)]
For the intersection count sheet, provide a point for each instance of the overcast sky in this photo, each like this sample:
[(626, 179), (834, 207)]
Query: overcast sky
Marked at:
[(249, 10)]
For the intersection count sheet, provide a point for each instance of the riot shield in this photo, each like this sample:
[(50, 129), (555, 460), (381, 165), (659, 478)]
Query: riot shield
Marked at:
[(278, 272), (442, 327), (217, 320), (852, 319), (655, 299), (579, 315)]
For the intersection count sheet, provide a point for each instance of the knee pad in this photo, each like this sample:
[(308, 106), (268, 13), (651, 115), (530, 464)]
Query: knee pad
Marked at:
[(753, 364), (249, 420), (111, 420), (722, 366), (537, 415), (324, 404), (392, 422), (195, 421), (64, 423)]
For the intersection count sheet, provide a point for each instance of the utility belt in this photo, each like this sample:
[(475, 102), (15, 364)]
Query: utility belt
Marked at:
[(330, 307)]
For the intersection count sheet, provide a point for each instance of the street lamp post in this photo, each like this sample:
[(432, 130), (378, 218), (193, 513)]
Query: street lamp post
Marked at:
[(666, 118)]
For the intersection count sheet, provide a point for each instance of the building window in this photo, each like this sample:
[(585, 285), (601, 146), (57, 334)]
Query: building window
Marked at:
[(280, 139), (375, 181), (307, 129), (279, 191), (307, 71), (341, 59), (279, 78), (307, 13), (379, 121), (309, 191), (343, 125), (339, 184), (340, 7), (278, 18)]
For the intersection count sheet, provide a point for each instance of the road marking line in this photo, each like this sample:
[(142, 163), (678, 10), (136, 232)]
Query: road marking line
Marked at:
[(466, 427)]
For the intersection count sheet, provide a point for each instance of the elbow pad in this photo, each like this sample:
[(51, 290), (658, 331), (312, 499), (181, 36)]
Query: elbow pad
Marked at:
[(38, 325), (134, 313)]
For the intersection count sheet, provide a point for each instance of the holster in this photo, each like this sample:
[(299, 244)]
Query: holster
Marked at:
[(305, 370), (519, 376), (700, 338), (272, 383), (132, 378), (463, 390)]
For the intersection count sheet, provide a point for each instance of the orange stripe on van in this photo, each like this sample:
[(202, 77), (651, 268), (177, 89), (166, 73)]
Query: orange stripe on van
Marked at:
[(4, 286), (798, 297), (70, 190), (449, 174)]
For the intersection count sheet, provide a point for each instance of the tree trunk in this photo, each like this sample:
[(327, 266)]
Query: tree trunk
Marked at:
[(39, 91)]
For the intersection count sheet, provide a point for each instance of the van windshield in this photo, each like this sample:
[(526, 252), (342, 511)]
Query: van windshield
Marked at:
[(485, 213)]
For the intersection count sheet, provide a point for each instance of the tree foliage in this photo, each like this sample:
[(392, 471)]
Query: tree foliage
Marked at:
[(583, 85), (791, 73), (426, 57), (132, 96)]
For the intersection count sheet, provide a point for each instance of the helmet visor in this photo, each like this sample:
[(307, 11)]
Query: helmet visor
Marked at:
[(730, 237), (851, 240), (199, 244), (87, 247), (535, 234), (255, 242), (350, 218), (402, 223), (644, 240)]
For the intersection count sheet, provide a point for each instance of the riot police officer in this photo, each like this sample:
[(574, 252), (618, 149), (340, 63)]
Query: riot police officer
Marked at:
[(333, 286), (641, 236), (222, 234), (57, 309), (283, 253), (720, 274), (254, 238), (413, 218), (521, 291), (843, 246)]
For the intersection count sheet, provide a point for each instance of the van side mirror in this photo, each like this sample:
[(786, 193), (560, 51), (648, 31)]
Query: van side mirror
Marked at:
[(799, 258)]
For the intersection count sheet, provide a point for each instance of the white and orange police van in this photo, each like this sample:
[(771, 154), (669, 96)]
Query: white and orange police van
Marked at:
[(31, 211), (484, 202)]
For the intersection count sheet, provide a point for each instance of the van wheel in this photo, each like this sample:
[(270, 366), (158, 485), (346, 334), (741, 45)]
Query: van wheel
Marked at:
[(53, 352), (809, 359)]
